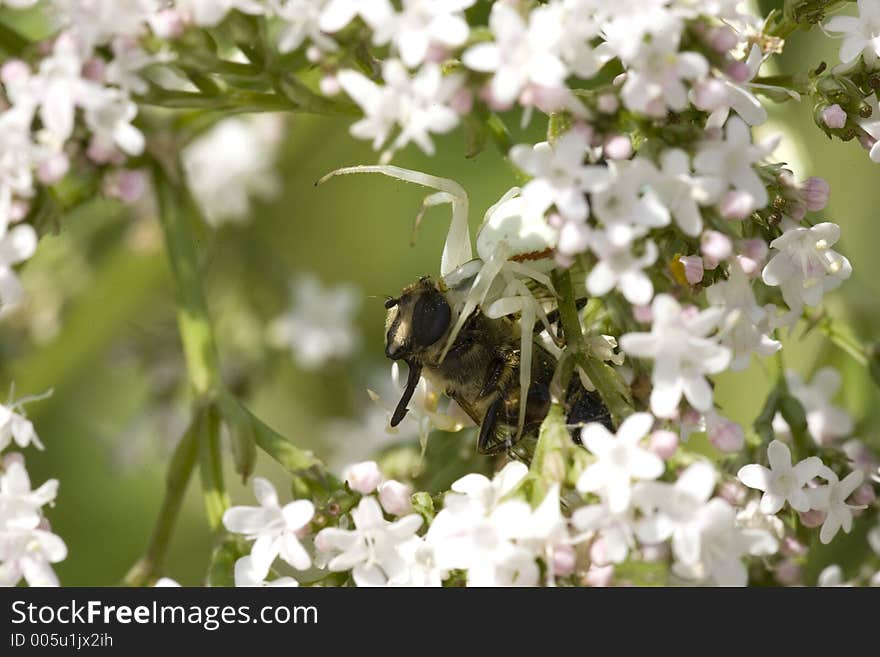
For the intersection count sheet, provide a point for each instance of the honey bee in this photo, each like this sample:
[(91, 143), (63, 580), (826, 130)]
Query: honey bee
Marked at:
[(481, 367)]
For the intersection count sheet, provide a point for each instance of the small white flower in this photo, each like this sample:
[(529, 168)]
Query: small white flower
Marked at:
[(302, 20), (560, 176), (486, 494), (97, 22), (620, 460), (615, 530), (420, 567), (319, 325), (804, 265), (731, 160), (417, 104), (208, 13), (370, 550), (782, 482), (17, 245), (522, 53), (831, 499), (363, 477), (723, 545), (232, 163), (682, 192), (248, 574), (745, 326), (273, 528), (825, 421), (620, 268), (630, 206), (109, 115), (861, 34), (422, 24), (21, 507), (682, 355), (30, 553), (672, 510), (336, 14), (871, 125), (15, 427)]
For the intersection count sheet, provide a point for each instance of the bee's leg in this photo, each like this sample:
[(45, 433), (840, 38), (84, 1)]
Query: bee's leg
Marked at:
[(489, 428), (493, 375), (412, 381), (553, 316)]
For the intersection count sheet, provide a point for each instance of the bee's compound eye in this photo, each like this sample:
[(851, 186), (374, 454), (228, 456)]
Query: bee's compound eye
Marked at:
[(430, 318)]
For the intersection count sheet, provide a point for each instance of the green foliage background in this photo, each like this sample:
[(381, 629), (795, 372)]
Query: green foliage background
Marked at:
[(116, 355)]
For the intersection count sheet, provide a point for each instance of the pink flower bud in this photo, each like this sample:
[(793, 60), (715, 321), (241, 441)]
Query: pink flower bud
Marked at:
[(94, 69), (693, 268), (564, 560), (864, 494), (787, 573), (715, 247), (395, 497), (754, 254), (14, 72), (726, 435), (598, 553), (739, 72), (656, 552), (167, 23), (732, 492), (313, 54), (643, 314), (793, 547), (126, 185), (723, 39), (330, 86), (321, 544), (618, 147), (18, 210), (867, 141), (462, 101), (53, 168), (600, 576), (363, 477), (812, 518), (100, 151), (607, 103), (737, 205), (834, 117), (710, 95), (815, 191), (663, 443)]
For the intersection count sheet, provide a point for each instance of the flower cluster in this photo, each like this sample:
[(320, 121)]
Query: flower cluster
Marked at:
[(28, 548)]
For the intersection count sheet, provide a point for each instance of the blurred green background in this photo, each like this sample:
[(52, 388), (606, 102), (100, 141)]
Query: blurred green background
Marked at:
[(100, 327)]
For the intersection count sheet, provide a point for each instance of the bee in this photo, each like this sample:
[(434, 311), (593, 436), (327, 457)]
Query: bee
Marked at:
[(481, 367)]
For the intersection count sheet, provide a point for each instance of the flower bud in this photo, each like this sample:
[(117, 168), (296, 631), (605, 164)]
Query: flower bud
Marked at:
[(709, 95), (715, 247), (607, 103), (126, 185), (864, 494), (13, 72), (693, 268), (812, 518), (834, 117), (53, 168), (330, 86), (739, 71), (167, 23), (726, 435), (395, 497), (732, 492), (722, 39), (599, 576), (363, 477), (564, 559), (663, 443), (815, 192), (618, 147), (793, 547), (574, 237), (643, 314), (737, 205), (787, 573), (598, 553)]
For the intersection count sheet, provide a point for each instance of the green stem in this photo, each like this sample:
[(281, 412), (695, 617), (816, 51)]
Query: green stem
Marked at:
[(842, 339), (11, 41), (149, 567), (599, 372), (194, 323), (211, 468)]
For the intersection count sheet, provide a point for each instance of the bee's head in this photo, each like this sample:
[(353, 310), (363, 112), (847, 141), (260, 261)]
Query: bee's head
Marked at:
[(416, 320)]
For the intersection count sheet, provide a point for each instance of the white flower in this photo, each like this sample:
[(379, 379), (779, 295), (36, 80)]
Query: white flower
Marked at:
[(17, 154), (273, 528), (731, 94), (420, 567), (831, 499), (547, 529), (575, 44), (109, 115), (782, 482), (319, 325), (248, 574), (620, 460), (230, 164), (16, 246), (871, 125), (861, 34), (682, 192), (522, 53), (745, 326), (166, 582), (29, 553), (336, 14), (805, 266), (476, 489), (655, 79), (97, 22), (363, 477), (395, 497), (302, 20), (672, 510), (682, 355), (620, 268), (825, 421), (422, 24), (21, 507), (615, 530), (370, 550), (417, 104), (208, 13), (732, 159), (560, 176), (14, 426), (831, 576), (723, 545), (59, 88), (630, 206)]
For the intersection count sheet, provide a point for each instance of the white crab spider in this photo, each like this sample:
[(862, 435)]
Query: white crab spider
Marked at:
[(509, 230)]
